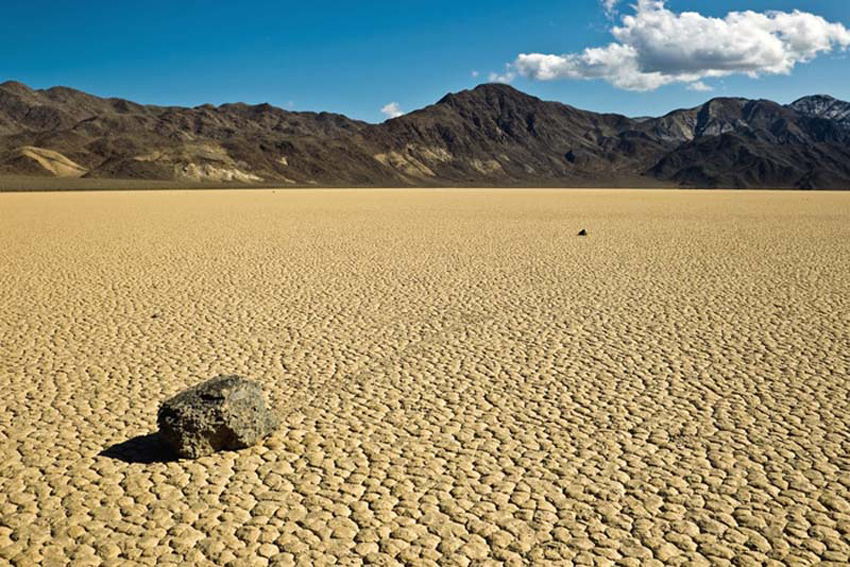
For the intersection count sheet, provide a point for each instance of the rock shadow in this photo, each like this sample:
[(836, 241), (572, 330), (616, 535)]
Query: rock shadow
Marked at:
[(143, 449)]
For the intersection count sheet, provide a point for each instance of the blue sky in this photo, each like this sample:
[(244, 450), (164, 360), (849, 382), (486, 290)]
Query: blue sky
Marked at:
[(356, 57)]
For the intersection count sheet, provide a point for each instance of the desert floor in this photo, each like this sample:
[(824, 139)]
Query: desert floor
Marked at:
[(461, 378)]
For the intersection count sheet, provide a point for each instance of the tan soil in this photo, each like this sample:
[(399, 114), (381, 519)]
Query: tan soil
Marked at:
[(51, 162), (462, 379)]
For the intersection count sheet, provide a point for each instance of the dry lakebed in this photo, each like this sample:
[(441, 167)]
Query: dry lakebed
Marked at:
[(460, 378)]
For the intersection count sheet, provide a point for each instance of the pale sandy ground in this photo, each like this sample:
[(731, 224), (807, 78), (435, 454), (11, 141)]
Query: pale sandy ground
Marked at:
[(462, 379)]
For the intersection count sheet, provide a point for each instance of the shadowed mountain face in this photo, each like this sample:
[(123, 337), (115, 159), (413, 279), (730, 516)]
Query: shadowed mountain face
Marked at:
[(491, 135)]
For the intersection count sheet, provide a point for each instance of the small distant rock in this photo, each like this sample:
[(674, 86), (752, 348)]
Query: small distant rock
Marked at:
[(223, 414), (582, 232), (155, 316)]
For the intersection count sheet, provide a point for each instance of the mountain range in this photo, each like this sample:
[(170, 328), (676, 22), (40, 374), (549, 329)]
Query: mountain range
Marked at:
[(492, 135)]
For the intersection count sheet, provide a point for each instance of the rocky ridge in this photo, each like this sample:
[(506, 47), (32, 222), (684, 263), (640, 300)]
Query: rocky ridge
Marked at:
[(490, 135)]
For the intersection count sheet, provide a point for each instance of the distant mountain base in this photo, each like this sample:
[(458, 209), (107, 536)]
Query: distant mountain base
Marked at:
[(29, 183), (490, 136)]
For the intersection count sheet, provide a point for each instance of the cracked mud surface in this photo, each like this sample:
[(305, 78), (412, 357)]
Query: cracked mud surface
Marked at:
[(461, 379)]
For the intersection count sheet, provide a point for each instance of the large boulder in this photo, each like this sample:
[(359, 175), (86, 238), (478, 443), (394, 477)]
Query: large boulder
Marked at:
[(225, 413)]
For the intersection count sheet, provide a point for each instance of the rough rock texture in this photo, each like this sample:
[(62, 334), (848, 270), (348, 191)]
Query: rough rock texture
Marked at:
[(493, 135), (824, 106), (225, 413)]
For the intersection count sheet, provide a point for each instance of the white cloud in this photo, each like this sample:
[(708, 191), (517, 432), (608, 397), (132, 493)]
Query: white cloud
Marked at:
[(610, 7), (508, 76), (475, 74), (656, 47), (700, 87), (392, 110)]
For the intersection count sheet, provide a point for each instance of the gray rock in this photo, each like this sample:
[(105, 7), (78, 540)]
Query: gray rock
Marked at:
[(225, 413)]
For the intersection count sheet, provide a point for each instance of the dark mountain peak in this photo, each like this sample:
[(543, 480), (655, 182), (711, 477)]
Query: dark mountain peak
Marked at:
[(500, 88), (252, 109), (727, 114), (728, 100), (765, 111), (233, 105), (61, 90), (823, 106), (72, 97), (262, 108), (489, 93), (15, 86), (492, 134), (724, 104), (817, 98)]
